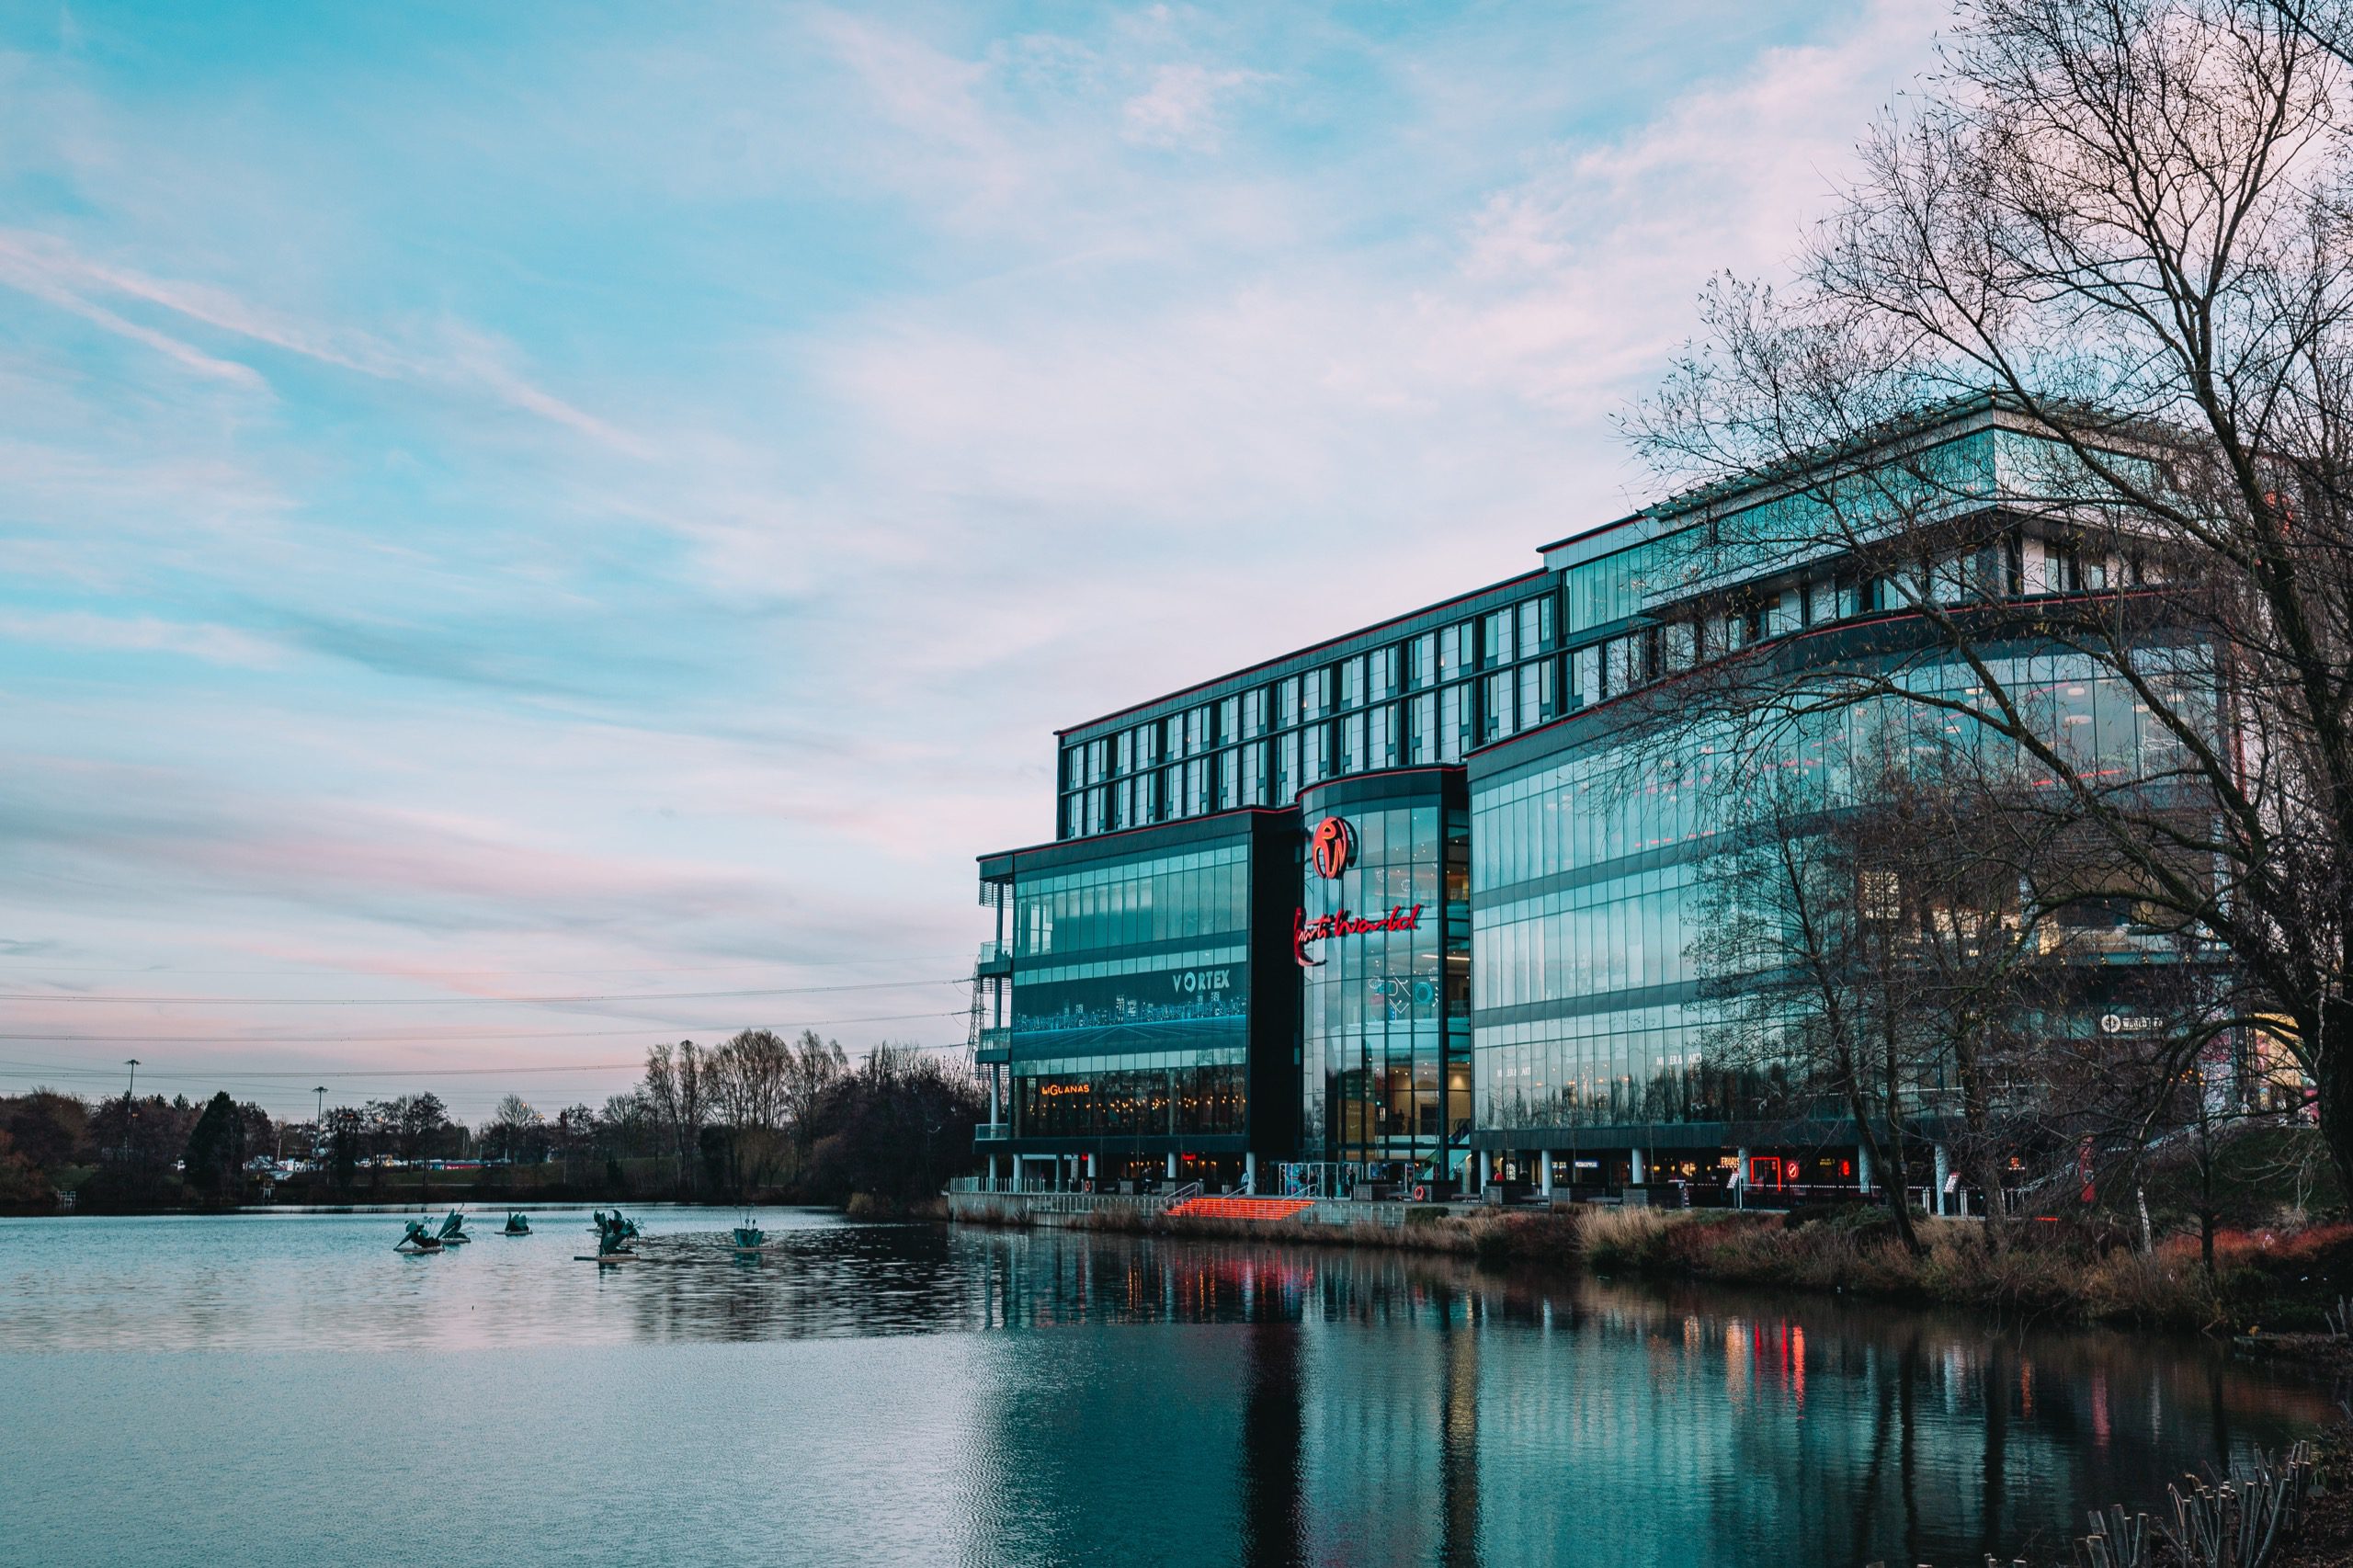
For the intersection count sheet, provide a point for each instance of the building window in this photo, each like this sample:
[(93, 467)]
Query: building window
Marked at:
[(1285, 702), (1381, 737), (1584, 675), (1352, 743), (1680, 642), (1421, 723), (1228, 780), (1253, 712), (1197, 786), (1497, 709), (1537, 702), (1316, 754), (1352, 682), (1535, 625), (1287, 782), (1498, 643), (1229, 721), (1315, 694), (1253, 773), (1381, 674), (1457, 648), (1450, 720), (1421, 661), (1619, 670)]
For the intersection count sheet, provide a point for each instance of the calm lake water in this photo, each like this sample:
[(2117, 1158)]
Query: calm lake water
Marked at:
[(286, 1389)]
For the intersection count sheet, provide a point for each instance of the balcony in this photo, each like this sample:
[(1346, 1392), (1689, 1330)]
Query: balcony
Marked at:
[(994, 1046), (991, 1132), (995, 958)]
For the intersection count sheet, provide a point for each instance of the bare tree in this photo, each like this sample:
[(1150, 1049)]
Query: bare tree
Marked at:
[(675, 1088), (2121, 227), (814, 1065)]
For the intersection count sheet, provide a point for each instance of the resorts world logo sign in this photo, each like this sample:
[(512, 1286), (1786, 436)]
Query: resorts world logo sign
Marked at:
[(1335, 845)]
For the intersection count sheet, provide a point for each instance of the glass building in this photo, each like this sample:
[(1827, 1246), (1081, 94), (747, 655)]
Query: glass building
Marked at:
[(1418, 902)]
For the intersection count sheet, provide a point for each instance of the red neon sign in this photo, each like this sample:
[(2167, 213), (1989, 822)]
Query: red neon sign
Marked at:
[(1343, 924), (1335, 845)]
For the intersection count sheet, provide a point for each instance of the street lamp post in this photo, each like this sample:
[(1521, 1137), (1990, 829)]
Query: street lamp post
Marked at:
[(134, 1066)]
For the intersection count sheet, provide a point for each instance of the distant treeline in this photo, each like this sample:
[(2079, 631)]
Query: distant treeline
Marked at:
[(755, 1116)]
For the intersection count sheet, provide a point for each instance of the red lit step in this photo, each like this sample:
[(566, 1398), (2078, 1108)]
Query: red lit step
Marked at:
[(1242, 1208)]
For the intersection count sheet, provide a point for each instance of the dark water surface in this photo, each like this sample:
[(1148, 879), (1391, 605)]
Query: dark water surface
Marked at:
[(285, 1390)]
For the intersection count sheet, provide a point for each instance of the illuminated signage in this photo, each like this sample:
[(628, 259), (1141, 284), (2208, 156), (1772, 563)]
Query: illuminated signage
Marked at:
[(1054, 1089), (1304, 931), (1335, 845), (1195, 981)]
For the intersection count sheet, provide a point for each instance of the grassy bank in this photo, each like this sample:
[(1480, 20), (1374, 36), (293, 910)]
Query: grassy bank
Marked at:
[(2266, 1284), (2263, 1282)]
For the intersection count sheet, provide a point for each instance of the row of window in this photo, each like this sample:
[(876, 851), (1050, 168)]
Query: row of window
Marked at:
[(1172, 897), (1143, 1103), (1451, 656)]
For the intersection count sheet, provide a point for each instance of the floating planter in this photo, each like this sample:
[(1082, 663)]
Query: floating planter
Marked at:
[(416, 1239), (750, 1240), (515, 1225), (613, 1236)]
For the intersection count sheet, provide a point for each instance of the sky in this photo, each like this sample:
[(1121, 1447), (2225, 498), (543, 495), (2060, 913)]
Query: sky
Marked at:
[(527, 531)]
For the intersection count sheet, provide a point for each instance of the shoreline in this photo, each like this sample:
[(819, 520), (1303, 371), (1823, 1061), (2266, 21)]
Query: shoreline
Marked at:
[(2267, 1295)]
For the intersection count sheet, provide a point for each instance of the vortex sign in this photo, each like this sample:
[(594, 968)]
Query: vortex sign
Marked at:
[(1334, 843)]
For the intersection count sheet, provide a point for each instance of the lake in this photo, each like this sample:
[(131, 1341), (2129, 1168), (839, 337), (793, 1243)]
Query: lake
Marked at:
[(285, 1389)]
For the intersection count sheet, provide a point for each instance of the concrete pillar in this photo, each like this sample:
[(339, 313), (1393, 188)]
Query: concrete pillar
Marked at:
[(1862, 1165), (1171, 1164), (1090, 1168), (1640, 1175), (1943, 1169), (1250, 1174), (994, 1116), (1740, 1179), (1544, 1173), (992, 1170)]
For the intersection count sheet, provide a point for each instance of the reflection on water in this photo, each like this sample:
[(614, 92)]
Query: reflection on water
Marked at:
[(909, 1392)]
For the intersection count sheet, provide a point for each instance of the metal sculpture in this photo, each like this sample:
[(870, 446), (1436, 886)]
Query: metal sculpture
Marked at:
[(750, 1240), (453, 1230), (613, 1233), (516, 1224), (417, 1239)]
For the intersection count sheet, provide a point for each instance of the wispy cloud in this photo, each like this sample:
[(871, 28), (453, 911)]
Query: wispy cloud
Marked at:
[(650, 515)]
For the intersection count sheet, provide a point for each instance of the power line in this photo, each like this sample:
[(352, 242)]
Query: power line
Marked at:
[(639, 1032), (456, 1001), (603, 969)]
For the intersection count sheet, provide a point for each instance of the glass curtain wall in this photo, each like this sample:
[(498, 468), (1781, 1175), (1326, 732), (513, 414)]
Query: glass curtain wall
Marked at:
[(1385, 1026), (1130, 998), (1426, 696), (1589, 870)]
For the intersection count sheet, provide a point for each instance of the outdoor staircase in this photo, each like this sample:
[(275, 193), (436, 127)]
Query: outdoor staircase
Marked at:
[(1241, 1208)]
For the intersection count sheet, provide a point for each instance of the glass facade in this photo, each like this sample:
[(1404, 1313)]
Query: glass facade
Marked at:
[(1385, 1024), (1428, 688), (1131, 999), (1589, 870)]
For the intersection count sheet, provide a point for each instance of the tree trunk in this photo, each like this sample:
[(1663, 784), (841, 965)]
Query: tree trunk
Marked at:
[(2331, 1060)]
